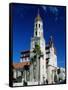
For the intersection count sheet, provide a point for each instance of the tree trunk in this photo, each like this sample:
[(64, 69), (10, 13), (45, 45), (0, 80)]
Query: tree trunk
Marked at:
[(38, 70)]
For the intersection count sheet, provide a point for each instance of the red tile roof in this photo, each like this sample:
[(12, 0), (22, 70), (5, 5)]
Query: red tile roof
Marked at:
[(20, 65)]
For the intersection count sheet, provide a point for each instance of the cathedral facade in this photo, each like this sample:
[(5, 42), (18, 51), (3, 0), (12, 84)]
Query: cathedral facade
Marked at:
[(39, 64)]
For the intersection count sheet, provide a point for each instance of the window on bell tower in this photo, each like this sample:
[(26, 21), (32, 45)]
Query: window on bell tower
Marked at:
[(39, 25), (36, 25), (36, 33)]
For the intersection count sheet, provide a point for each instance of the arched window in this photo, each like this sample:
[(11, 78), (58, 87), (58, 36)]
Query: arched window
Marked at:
[(36, 33), (39, 25), (36, 25)]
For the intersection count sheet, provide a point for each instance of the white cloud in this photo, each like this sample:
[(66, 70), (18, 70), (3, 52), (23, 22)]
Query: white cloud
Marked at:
[(44, 8), (53, 10)]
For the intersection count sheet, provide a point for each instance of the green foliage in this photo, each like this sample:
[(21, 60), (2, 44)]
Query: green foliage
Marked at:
[(37, 53), (37, 50)]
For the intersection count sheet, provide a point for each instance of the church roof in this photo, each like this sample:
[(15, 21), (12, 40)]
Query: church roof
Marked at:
[(20, 65)]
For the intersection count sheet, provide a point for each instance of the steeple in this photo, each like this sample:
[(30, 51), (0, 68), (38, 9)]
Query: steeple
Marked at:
[(51, 44), (38, 26), (51, 41), (38, 18)]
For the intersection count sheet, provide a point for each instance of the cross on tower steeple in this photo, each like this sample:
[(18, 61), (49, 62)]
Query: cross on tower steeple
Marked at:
[(38, 26)]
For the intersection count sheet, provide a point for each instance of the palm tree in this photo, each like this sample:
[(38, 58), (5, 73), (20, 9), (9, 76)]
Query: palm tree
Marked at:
[(33, 59), (37, 55)]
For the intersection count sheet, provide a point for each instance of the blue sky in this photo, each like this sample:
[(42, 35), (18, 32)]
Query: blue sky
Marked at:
[(53, 17)]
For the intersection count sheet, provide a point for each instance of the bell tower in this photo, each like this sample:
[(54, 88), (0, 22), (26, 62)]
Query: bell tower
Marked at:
[(38, 65), (38, 26)]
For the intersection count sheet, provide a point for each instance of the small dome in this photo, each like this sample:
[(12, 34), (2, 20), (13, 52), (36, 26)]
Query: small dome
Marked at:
[(38, 18)]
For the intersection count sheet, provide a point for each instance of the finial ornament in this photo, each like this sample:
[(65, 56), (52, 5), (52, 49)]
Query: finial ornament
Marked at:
[(38, 12)]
